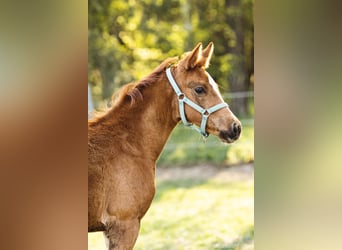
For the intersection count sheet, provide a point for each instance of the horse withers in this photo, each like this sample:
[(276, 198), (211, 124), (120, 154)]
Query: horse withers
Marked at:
[(125, 142)]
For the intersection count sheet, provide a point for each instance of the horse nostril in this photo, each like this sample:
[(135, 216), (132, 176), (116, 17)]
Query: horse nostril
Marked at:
[(236, 129)]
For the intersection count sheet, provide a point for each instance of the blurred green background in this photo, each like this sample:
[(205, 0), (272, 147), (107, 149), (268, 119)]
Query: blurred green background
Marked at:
[(128, 39)]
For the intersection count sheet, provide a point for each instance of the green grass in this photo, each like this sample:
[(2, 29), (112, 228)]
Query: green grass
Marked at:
[(192, 214), (198, 214), (186, 147)]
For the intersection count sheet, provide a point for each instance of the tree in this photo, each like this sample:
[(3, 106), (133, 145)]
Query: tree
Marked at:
[(127, 39), (230, 24)]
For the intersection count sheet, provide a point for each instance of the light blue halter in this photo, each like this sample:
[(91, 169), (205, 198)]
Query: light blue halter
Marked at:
[(183, 99)]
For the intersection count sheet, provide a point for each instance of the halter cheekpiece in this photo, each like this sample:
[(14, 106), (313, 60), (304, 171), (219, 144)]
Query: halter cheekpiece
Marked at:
[(183, 99)]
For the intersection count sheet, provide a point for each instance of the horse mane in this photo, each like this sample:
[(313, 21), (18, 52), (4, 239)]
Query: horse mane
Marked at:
[(132, 92)]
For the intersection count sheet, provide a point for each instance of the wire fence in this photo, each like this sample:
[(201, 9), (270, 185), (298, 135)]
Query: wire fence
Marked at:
[(241, 94), (232, 95)]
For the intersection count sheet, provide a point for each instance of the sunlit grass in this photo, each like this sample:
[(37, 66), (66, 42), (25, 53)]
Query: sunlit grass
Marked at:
[(197, 214), (192, 214)]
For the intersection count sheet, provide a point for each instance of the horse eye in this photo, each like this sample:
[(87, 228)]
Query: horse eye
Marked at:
[(199, 90)]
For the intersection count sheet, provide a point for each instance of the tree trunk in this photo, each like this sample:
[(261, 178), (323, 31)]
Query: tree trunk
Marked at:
[(107, 83), (239, 76)]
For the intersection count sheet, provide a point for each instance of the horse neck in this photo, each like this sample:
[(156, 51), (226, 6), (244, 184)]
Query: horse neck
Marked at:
[(148, 123)]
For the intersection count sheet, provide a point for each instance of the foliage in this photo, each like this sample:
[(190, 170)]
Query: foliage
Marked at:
[(127, 39)]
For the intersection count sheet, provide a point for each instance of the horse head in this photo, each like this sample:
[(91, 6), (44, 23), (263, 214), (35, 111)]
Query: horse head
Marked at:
[(198, 96)]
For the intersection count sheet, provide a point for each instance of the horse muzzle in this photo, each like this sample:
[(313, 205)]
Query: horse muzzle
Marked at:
[(232, 134)]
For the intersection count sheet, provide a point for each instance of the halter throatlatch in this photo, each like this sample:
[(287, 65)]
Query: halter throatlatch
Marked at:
[(183, 99)]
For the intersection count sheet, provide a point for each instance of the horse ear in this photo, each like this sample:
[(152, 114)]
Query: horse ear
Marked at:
[(193, 57), (207, 53)]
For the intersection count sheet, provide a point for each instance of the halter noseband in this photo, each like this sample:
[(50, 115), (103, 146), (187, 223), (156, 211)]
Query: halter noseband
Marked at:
[(183, 99)]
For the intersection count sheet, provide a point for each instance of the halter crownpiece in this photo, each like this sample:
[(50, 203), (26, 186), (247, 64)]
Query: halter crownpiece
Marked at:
[(183, 99)]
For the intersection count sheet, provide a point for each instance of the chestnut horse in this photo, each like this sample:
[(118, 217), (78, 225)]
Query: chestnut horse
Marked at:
[(125, 142)]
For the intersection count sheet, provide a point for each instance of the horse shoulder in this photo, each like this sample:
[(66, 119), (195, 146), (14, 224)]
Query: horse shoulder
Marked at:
[(132, 188)]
